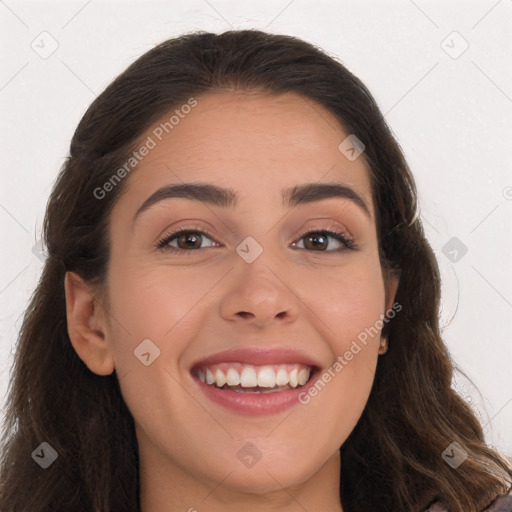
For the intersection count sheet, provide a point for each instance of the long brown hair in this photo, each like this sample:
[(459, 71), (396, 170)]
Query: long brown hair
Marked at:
[(391, 461)]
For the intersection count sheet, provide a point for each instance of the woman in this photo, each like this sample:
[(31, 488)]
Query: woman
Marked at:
[(239, 308)]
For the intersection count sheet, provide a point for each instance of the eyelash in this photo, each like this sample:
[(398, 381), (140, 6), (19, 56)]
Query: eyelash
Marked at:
[(163, 244)]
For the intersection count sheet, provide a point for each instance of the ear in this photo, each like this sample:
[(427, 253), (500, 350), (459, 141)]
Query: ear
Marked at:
[(87, 326), (391, 281)]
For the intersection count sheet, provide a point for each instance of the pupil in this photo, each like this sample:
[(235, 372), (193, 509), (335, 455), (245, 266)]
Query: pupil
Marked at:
[(317, 237), (189, 238)]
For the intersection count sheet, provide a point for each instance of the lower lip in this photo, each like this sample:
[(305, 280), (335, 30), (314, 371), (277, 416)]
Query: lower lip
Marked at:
[(256, 404)]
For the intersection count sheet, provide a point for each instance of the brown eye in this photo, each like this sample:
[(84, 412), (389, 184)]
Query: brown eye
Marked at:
[(319, 240), (186, 240), (316, 241), (189, 241)]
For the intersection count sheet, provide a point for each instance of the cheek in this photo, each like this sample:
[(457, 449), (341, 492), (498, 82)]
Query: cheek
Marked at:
[(351, 305), (155, 302), (348, 300)]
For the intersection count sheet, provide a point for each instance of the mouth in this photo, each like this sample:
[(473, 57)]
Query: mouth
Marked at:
[(246, 378), (255, 381)]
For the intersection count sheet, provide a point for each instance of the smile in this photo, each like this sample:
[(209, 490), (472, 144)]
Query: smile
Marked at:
[(254, 380), (246, 378)]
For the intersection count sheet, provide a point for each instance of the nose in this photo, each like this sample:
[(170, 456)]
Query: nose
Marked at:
[(259, 296)]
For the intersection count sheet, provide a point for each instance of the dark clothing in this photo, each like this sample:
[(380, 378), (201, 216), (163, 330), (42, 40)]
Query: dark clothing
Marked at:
[(502, 503)]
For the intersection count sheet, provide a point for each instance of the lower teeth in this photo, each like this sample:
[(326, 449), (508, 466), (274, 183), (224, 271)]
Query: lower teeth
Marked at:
[(239, 389), (272, 390)]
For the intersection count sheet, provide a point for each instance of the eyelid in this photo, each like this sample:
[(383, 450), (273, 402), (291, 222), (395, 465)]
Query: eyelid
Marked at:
[(171, 233), (335, 228)]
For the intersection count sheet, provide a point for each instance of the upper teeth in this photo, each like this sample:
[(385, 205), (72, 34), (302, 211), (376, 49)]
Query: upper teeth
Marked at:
[(249, 376)]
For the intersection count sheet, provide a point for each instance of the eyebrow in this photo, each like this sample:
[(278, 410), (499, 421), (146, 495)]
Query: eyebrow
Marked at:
[(228, 198)]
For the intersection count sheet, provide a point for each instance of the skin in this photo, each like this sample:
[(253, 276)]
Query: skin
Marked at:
[(208, 300)]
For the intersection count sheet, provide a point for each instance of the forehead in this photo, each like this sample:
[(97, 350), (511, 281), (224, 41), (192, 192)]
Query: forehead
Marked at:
[(254, 142)]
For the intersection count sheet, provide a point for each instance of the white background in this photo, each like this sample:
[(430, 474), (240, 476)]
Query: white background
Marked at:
[(452, 117)]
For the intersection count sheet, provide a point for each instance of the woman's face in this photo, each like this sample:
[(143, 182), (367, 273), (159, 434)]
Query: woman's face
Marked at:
[(249, 282)]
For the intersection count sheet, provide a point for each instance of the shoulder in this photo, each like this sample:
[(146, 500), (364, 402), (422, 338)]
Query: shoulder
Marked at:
[(502, 503)]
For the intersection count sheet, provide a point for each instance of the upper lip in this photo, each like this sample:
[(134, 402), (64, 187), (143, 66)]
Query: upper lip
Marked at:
[(259, 356)]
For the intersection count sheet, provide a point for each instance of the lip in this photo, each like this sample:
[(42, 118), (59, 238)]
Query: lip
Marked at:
[(259, 356), (256, 404)]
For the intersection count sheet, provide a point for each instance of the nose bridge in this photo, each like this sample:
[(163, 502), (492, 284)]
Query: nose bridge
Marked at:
[(261, 204), (259, 291)]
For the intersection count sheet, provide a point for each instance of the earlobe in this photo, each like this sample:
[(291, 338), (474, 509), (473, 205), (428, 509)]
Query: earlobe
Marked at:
[(87, 327), (383, 348)]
